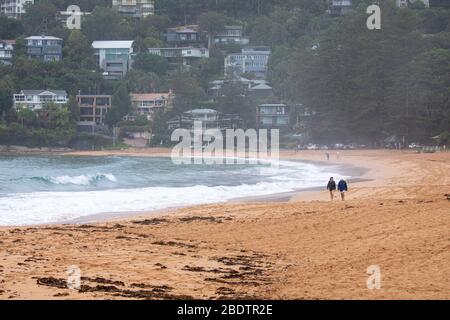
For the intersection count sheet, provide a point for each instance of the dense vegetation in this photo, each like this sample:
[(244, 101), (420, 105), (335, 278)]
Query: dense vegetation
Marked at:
[(362, 85)]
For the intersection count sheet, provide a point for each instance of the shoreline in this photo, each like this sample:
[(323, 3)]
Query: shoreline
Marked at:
[(354, 172), (305, 248)]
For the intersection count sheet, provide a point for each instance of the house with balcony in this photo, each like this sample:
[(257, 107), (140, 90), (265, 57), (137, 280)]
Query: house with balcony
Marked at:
[(255, 88), (14, 8), (147, 104), (339, 7), (46, 48), (232, 35), (114, 58), (6, 51), (36, 99), (273, 115), (209, 118), (185, 36), (138, 9), (251, 60), (181, 55), (92, 109)]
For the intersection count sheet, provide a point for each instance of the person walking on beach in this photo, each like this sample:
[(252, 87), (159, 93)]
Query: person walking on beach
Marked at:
[(328, 156), (331, 187), (343, 188)]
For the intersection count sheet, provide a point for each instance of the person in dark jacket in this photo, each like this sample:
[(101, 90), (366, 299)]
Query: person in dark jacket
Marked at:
[(331, 187), (343, 188)]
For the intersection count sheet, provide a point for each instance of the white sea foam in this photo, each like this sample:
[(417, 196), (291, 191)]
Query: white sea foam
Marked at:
[(80, 180), (50, 207)]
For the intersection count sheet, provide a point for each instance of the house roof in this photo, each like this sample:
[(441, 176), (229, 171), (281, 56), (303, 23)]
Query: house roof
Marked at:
[(13, 42), (261, 86), (46, 92), (42, 38), (234, 27), (149, 96), (272, 105), (122, 44), (185, 29), (202, 111)]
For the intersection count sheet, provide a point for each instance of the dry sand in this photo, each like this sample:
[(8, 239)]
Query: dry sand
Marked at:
[(306, 248)]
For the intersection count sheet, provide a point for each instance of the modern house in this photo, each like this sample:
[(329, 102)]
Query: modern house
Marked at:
[(210, 119), (184, 36), (6, 51), (232, 34), (93, 110), (251, 60), (180, 55), (138, 9), (14, 8), (114, 58), (36, 99), (339, 7), (275, 115), (45, 48), (147, 104)]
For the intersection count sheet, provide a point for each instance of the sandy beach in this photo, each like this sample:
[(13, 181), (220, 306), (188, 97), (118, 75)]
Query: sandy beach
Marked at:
[(299, 247)]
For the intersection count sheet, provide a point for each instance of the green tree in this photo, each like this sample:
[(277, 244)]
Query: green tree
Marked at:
[(106, 24), (188, 92), (150, 63), (121, 105), (77, 47), (232, 100), (10, 28), (143, 82), (212, 23), (40, 18), (6, 101), (27, 117)]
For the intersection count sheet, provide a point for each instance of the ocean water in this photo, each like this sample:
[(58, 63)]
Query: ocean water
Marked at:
[(48, 189)]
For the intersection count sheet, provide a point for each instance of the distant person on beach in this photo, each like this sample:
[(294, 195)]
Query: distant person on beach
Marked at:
[(331, 187), (328, 156), (343, 188)]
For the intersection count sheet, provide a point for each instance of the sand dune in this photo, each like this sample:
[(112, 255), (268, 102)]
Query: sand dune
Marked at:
[(305, 248)]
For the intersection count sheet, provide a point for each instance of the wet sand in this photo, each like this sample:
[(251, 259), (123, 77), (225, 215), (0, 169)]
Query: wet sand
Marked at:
[(304, 247)]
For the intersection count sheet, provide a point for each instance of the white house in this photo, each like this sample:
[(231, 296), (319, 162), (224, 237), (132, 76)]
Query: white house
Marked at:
[(36, 99), (114, 57), (184, 55), (14, 8), (6, 51), (251, 60), (134, 8), (232, 34)]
